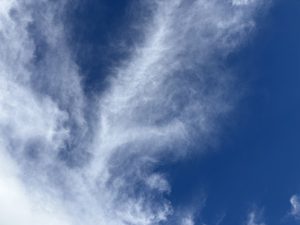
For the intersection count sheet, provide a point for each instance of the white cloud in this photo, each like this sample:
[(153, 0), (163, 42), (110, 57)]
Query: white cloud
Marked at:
[(295, 203), (65, 167), (188, 221), (17, 206), (255, 218), (242, 2)]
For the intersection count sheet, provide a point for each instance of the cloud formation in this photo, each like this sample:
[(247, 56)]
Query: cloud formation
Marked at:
[(254, 218), (68, 160), (295, 203)]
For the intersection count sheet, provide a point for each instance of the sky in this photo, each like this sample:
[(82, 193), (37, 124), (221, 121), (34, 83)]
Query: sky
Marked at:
[(153, 112)]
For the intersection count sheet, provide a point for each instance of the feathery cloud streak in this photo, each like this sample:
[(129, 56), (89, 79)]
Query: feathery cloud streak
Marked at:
[(78, 162)]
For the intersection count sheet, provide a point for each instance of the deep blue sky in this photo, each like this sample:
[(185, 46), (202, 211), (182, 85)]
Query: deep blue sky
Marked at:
[(256, 163)]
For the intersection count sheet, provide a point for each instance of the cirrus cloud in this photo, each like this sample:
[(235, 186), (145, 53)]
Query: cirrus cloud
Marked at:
[(76, 161)]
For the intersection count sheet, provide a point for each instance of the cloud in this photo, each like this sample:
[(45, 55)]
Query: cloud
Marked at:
[(242, 2), (187, 221), (19, 207), (69, 160), (255, 218), (295, 203)]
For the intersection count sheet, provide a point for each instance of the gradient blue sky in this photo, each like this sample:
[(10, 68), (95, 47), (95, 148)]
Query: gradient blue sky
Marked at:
[(132, 112)]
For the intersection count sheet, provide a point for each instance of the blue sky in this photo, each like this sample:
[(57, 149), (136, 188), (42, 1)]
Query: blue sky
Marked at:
[(181, 112)]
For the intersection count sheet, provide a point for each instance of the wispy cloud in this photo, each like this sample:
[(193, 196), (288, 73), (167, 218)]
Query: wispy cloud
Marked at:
[(68, 159), (295, 203), (187, 221), (255, 218)]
